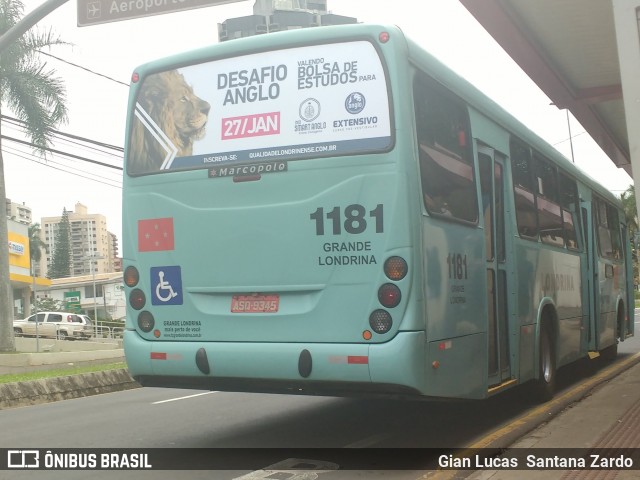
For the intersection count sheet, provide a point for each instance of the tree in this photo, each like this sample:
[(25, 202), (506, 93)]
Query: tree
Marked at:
[(628, 199), (49, 305), (61, 260), (36, 96), (36, 245)]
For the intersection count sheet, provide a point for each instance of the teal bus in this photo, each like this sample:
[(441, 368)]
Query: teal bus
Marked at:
[(332, 211)]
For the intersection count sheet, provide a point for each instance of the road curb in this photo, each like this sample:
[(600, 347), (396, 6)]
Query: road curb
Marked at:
[(503, 438), (64, 388)]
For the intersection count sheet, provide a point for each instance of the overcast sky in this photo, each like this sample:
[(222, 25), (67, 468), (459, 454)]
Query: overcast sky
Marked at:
[(97, 105)]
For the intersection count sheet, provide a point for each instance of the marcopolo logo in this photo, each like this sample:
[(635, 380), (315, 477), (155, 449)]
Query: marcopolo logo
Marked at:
[(247, 170), (355, 103)]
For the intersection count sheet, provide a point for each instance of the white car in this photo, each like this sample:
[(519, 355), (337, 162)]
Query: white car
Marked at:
[(61, 325)]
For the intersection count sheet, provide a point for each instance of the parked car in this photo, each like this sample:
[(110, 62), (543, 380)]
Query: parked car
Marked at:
[(88, 323), (61, 325)]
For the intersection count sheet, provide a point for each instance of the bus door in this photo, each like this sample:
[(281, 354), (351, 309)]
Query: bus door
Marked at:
[(627, 331), (590, 281), (602, 275), (492, 185), (610, 271)]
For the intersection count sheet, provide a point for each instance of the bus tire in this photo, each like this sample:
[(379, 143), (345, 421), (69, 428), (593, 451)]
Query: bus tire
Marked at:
[(545, 385)]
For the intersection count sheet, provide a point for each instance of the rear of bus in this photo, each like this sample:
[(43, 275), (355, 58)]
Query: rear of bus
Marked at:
[(266, 210)]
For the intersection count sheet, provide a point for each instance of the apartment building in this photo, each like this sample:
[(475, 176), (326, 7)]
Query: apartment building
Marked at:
[(18, 212), (89, 239)]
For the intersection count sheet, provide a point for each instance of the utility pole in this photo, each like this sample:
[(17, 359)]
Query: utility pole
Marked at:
[(570, 136), (92, 258)]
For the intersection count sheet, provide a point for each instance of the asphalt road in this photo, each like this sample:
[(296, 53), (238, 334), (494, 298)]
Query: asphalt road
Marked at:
[(167, 418)]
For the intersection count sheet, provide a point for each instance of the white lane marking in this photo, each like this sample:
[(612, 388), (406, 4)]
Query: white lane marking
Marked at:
[(183, 398)]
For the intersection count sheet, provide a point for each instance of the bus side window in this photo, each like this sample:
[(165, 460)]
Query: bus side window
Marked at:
[(549, 213), (523, 190), (608, 229), (446, 169), (569, 202), (614, 227)]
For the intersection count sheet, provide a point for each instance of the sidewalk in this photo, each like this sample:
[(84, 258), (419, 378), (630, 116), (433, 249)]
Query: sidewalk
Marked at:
[(608, 417), (47, 354)]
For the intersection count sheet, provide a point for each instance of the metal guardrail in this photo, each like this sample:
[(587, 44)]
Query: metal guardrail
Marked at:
[(108, 332), (98, 332)]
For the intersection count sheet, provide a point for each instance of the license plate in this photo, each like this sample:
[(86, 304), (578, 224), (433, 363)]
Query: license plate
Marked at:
[(255, 303)]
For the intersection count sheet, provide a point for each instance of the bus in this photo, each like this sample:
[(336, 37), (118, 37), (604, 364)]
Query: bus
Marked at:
[(333, 211)]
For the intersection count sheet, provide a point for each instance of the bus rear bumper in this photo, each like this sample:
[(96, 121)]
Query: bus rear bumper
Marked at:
[(395, 367)]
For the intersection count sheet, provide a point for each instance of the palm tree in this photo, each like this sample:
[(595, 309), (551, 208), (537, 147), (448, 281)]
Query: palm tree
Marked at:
[(35, 96), (36, 245), (628, 198)]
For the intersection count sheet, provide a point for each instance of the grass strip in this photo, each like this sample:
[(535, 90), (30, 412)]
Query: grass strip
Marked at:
[(59, 372)]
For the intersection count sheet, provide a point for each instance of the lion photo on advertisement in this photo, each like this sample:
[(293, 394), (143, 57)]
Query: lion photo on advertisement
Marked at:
[(170, 103)]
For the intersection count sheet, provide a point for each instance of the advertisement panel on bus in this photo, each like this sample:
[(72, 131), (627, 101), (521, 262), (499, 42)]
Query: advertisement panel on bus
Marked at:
[(304, 102)]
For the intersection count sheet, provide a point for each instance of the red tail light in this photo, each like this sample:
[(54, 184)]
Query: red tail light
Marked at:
[(389, 295), (137, 299)]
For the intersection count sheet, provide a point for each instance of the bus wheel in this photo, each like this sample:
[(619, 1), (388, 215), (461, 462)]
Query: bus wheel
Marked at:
[(544, 386)]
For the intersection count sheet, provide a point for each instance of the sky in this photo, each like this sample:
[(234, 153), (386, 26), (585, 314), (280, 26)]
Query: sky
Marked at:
[(97, 104)]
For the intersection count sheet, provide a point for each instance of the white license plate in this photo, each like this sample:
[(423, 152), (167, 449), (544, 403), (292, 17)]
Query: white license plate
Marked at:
[(255, 303)]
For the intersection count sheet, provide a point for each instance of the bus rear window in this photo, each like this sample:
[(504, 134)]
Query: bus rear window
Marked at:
[(306, 102)]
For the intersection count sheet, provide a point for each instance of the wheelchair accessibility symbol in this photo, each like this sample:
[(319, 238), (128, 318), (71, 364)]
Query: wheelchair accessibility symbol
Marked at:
[(166, 285)]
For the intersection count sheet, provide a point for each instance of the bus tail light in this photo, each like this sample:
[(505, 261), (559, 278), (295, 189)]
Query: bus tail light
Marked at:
[(137, 299), (131, 276), (146, 322), (389, 295), (380, 321), (395, 268)]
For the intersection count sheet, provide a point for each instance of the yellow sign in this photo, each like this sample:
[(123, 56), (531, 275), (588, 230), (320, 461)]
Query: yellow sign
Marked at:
[(18, 250)]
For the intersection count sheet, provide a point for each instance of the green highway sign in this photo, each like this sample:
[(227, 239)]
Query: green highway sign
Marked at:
[(93, 12)]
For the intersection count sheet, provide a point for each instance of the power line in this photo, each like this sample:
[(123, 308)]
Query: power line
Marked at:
[(83, 68), (60, 169), (59, 152), (568, 139), (22, 123), (70, 163), (64, 144)]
